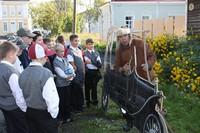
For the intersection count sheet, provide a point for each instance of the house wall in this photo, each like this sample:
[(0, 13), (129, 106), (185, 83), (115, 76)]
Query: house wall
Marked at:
[(14, 20), (152, 9), (193, 15), (104, 20), (115, 12)]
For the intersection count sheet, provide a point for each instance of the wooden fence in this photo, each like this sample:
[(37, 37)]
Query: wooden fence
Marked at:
[(174, 25)]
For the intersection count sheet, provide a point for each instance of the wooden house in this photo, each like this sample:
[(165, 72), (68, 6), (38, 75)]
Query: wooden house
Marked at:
[(193, 16)]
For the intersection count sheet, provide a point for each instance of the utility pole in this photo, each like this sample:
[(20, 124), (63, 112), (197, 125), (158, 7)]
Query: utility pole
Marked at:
[(74, 19)]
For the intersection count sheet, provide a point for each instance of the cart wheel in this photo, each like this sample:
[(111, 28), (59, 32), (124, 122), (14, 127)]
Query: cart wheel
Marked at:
[(104, 99), (152, 124)]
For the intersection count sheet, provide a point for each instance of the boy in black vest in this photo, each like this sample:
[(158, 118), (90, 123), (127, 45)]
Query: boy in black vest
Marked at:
[(39, 91), (12, 102), (93, 75), (75, 58)]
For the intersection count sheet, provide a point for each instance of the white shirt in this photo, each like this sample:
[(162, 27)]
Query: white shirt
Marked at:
[(76, 51), (60, 72), (50, 94), (16, 90), (91, 66), (18, 65)]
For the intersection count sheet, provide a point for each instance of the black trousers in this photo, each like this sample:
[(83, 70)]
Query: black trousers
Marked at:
[(91, 86), (65, 102), (77, 97), (40, 121), (16, 121)]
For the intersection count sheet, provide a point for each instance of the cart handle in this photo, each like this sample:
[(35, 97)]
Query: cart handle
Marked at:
[(154, 97)]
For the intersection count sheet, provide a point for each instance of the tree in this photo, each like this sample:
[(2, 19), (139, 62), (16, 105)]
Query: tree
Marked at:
[(92, 13), (54, 16), (45, 16)]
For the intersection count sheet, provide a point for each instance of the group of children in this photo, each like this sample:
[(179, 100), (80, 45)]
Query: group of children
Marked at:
[(50, 88)]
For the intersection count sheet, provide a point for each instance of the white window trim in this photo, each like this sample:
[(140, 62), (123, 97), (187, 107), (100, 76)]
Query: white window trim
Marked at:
[(5, 10), (19, 7), (3, 26), (10, 10), (15, 26), (133, 20), (149, 15)]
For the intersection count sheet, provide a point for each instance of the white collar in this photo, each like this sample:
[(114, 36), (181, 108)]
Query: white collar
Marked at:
[(90, 51), (35, 64), (6, 62), (75, 49), (60, 59)]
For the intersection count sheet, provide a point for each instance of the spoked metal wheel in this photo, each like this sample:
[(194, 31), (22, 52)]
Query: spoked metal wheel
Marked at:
[(104, 100), (152, 124)]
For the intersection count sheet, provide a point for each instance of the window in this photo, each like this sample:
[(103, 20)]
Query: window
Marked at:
[(12, 26), (12, 11), (4, 10), (20, 24), (5, 26), (129, 21), (145, 17), (19, 10)]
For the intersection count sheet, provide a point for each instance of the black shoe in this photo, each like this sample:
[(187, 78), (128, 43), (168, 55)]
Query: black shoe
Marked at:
[(128, 126)]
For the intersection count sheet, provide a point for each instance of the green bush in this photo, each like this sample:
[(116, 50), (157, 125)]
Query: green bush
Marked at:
[(178, 61)]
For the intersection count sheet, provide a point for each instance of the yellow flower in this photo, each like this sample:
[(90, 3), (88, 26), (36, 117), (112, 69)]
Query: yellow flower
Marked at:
[(186, 81), (177, 58), (174, 53), (193, 87)]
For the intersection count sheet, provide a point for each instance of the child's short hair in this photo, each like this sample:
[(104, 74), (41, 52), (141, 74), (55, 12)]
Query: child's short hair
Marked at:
[(58, 46), (60, 39), (37, 33), (46, 40), (71, 38), (6, 47), (89, 40)]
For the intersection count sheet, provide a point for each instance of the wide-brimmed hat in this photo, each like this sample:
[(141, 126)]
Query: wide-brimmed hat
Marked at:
[(22, 32), (39, 50)]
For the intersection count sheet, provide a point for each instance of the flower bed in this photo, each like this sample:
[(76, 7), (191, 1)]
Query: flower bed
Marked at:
[(178, 61)]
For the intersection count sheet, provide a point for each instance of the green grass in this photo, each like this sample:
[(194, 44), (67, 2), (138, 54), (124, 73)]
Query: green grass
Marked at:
[(183, 115), (183, 110)]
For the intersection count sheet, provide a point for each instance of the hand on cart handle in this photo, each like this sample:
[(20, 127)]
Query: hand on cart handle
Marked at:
[(127, 68)]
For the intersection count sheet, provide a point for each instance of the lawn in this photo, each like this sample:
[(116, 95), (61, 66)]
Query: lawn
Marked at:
[(183, 115)]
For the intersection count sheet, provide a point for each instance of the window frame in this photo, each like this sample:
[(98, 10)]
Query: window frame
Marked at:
[(19, 24), (14, 26), (130, 24), (6, 12), (18, 9), (146, 15), (6, 26), (12, 8)]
